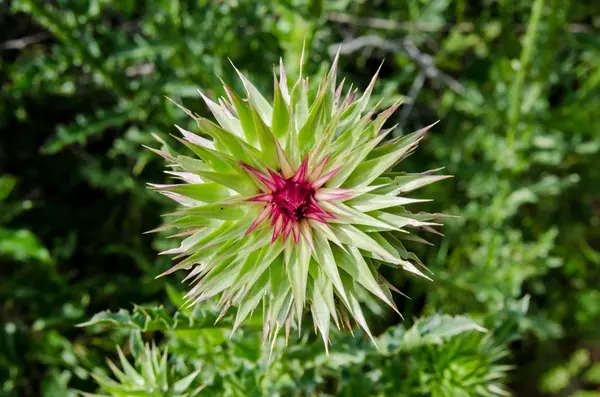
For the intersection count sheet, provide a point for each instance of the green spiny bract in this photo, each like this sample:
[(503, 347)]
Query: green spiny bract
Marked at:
[(150, 376), (292, 203)]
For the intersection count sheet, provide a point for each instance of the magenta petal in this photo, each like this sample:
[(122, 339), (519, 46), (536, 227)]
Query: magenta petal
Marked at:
[(277, 179), (284, 164), (322, 180), (316, 173), (258, 220), (306, 232), (317, 218), (287, 230), (316, 210), (301, 173), (276, 213), (267, 197), (296, 232), (262, 177), (278, 228), (286, 226), (332, 194)]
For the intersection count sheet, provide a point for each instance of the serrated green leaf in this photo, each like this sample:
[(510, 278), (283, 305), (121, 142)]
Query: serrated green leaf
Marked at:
[(155, 318), (434, 329)]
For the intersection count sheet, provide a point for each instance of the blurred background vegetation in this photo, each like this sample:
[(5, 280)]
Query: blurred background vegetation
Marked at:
[(516, 85)]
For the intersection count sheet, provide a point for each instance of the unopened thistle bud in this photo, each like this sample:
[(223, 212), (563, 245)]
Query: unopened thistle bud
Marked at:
[(292, 204)]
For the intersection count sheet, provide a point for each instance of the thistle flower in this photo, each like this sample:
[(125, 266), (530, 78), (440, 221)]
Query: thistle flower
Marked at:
[(292, 203)]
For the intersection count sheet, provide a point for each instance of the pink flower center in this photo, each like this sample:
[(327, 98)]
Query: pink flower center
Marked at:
[(293, 198), (290, 203)]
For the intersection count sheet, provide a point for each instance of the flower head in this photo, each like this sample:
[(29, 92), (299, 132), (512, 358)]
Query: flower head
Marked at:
[(292, 203)]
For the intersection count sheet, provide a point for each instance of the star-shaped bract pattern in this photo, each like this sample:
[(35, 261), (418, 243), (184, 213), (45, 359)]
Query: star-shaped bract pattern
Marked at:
[(293, 203)]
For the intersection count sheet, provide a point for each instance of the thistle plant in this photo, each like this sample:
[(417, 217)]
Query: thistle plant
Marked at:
[(149, 376), (293, 203)]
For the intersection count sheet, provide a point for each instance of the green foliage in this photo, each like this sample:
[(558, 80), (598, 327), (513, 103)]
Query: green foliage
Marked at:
[(439, 355), (152, 318), (579, 369), (17, 244), (515, 85), (152, 375)]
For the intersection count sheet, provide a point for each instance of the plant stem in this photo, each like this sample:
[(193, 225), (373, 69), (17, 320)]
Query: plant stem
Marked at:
[(527, 52)]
